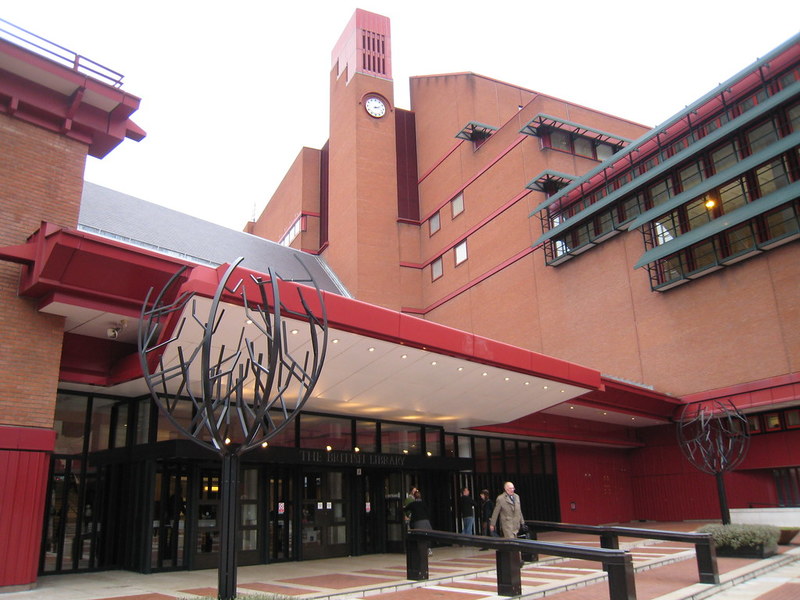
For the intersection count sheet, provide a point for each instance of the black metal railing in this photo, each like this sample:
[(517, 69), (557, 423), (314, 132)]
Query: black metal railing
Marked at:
[(43, 47), (618, 564), (705, 550)]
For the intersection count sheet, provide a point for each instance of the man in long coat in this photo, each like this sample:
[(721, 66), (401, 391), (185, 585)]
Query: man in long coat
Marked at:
[(508, 510)]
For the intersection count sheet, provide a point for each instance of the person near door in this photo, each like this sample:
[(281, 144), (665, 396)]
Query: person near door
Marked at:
[(418, 514), (486, 510), (467, 506), (408, 500), (508, 512)]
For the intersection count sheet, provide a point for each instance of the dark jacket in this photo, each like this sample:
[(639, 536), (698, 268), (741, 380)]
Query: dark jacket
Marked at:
[(487, 507), (417, 513), (467, 506)]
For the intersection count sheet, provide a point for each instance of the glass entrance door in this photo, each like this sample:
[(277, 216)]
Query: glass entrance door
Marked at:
[(323, 518), (169, 516), (280, 515), (206, 541)]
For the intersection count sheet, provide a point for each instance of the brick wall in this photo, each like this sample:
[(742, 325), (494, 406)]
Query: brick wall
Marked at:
[(41, 178)]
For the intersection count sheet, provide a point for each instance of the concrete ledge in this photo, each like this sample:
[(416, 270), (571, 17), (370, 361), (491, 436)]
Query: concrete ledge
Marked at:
[(778, 517), (700, 591)]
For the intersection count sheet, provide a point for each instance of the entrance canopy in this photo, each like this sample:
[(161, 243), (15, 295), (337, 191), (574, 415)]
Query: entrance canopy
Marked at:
[(380, 363)]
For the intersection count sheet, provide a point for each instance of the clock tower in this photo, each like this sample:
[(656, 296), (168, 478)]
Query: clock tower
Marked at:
[(360, 228)]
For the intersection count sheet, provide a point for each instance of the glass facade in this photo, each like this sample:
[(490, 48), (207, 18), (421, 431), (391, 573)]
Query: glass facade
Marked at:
[(127, 492), (726, 183)]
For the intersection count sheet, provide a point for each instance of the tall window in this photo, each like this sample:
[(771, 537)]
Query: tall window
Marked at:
[(461, 252), (436, 269), (457, 205), (434, 224)]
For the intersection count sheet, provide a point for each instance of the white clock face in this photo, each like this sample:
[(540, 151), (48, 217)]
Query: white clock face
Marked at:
[(375, 107)]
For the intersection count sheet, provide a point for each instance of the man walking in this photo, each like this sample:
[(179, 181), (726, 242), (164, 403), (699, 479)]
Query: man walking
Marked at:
[(508, 511)]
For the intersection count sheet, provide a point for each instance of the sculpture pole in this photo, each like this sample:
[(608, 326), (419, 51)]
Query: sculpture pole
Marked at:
[(214, 378), (714, 437)]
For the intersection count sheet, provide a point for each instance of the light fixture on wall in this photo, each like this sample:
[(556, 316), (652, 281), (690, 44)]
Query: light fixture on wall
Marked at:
[(116, 328)]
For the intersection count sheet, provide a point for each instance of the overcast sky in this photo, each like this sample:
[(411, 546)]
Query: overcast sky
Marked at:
[(232, 90)]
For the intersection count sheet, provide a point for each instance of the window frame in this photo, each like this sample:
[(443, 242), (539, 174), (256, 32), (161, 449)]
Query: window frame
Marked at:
[(457, 205), (437, 265), (457, 251), (436, 219)]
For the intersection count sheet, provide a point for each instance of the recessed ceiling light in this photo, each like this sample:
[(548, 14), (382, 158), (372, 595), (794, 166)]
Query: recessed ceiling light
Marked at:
[(335, 341), (508, 378), (544, 387), (572, 408), (372, 349), (328, 448), (484, 373), (527, 383), (433, 363), (356, 449), (460, 368), (295, 331), (404, 356), (264, 444)]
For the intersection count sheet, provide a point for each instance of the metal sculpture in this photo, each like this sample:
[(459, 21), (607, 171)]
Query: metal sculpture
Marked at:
[(241, 394), (714, 437)]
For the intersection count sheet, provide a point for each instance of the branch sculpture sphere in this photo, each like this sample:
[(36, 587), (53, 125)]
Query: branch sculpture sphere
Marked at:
[(714, 437), (241, 393)]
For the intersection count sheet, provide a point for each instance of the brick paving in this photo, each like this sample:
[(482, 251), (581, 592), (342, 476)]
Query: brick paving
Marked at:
[(664, 571)]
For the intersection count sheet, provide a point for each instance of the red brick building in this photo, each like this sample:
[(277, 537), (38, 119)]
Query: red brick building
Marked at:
[(519, 288), (501, 210)]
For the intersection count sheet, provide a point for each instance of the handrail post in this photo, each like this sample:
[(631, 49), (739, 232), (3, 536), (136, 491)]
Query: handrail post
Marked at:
[(609, 539), (621, 585), (509, 578), (532, 556), (417, 559), (706, 554)]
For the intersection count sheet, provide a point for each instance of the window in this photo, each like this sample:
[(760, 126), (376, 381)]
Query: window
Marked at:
[(724, 157), (665, 229), (434, 224), (604, 151), (772, 421), (691, 175), (294, 231), (699, 212), (457, 205), (782, 223), (762, 136), (794, 117), (703, 255), (733, 195), (366, 436), (792, 418), (560, 141), (461, 252), (397, 438), (320, 431), (772, 176), (740, 240), (660, 192), (583, 147), (436, 269)]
